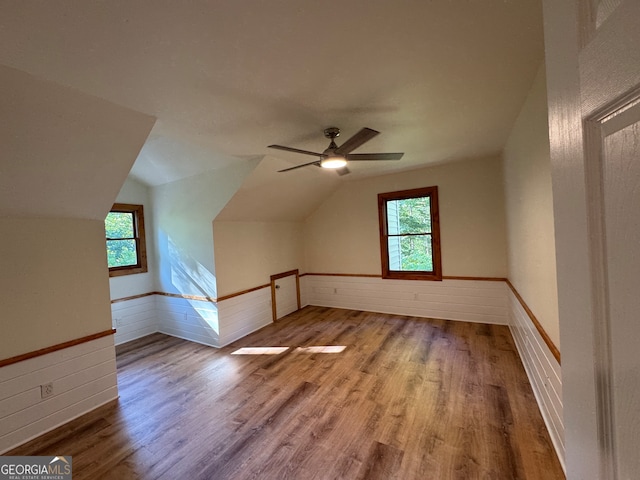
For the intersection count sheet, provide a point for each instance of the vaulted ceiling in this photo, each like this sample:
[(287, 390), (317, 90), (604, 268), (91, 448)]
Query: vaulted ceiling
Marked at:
[(442, 80)]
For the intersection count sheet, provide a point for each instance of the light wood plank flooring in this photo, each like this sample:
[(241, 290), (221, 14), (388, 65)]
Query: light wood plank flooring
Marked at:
[(407, 398)]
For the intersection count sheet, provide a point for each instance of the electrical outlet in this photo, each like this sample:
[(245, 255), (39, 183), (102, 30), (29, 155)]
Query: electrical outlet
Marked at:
[(46, 390)]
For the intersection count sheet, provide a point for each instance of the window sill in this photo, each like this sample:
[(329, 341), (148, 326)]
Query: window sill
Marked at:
[(121, 271), (413, 276)]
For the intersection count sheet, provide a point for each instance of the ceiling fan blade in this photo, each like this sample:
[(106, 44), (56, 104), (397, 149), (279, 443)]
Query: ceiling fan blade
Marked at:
[(317, 164), (358, 139), (374, 156), (295, 150), (342, 171)]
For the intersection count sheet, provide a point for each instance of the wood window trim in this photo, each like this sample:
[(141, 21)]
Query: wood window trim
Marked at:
[(141, 242), (383, 198)]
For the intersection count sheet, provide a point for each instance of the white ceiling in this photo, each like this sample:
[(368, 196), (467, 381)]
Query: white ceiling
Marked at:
[(441, 79)]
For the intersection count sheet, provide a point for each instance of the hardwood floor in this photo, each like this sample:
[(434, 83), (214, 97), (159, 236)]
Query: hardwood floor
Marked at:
[(407, 398)]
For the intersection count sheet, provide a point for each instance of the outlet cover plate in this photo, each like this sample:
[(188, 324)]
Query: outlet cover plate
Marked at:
[(46, 390)]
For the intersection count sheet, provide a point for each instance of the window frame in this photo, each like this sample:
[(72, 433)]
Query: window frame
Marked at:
[(383, 198), (139, 236)]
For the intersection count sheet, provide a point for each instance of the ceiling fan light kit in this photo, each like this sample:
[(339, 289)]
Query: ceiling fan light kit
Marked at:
[(333, 162), (336, 157)]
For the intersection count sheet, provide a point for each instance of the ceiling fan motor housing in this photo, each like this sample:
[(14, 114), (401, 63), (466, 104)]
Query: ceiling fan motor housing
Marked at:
[(332, 132)]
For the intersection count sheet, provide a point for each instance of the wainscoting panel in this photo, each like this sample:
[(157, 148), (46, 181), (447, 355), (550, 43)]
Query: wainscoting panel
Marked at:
[(482, 301), (134, 318), (83, 377), (195, 320), (244, 314), (543, 370), (304, 290)]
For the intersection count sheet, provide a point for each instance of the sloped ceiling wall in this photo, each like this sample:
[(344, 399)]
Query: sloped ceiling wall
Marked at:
[(63, 159), (64, 153), (270, 196)]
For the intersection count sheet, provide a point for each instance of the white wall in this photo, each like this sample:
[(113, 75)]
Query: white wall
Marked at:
[(128, 285), (464, 300), (65, 155), (183, 223), (53, 282), (342, 235), (83, 378), (532, 256), (183, 228), (529, 207), (248, 253)]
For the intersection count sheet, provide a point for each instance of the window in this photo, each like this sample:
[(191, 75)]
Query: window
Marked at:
[(126, 250), (410, 234)]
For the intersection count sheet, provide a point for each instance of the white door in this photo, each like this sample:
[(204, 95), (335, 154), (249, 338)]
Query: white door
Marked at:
[(286, 295), (593, 74)]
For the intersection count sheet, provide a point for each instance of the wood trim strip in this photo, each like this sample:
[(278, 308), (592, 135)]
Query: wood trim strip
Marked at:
[(554, 350), (237, 294), (191, 297), (133, 297), (284, 274), (479, 279), (55, 348), (367, 275), (187, 297), (363, 275)]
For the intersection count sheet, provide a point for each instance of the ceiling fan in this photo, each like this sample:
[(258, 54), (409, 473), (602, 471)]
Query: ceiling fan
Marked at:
[(336, 157)]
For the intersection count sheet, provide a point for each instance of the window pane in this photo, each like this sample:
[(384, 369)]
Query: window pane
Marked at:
[(121, 253), (119, 225), (393, 219), (410, 254), (395, 254), (411, 215)]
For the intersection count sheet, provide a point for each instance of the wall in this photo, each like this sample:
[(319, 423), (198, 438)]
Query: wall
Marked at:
[(53, 282), (65, 156), (248, 253), (529, 207), (137, 193), (531, 252), (342, 235), (183, 224), (183, 227), (464, 300), (83, 377)]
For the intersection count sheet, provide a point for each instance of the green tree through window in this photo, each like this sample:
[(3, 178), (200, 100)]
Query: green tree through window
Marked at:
[(124, 229), (409, 234), (121, 242)]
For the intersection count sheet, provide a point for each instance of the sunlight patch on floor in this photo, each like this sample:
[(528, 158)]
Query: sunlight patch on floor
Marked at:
[(279, 350), (322, 349), (260, 351)]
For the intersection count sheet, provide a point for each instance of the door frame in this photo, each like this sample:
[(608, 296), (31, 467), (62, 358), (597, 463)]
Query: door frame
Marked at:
[(592, 64), (278, 276)]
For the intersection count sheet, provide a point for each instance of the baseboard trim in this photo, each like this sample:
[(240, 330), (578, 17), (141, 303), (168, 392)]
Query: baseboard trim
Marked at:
[(71, 419)]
